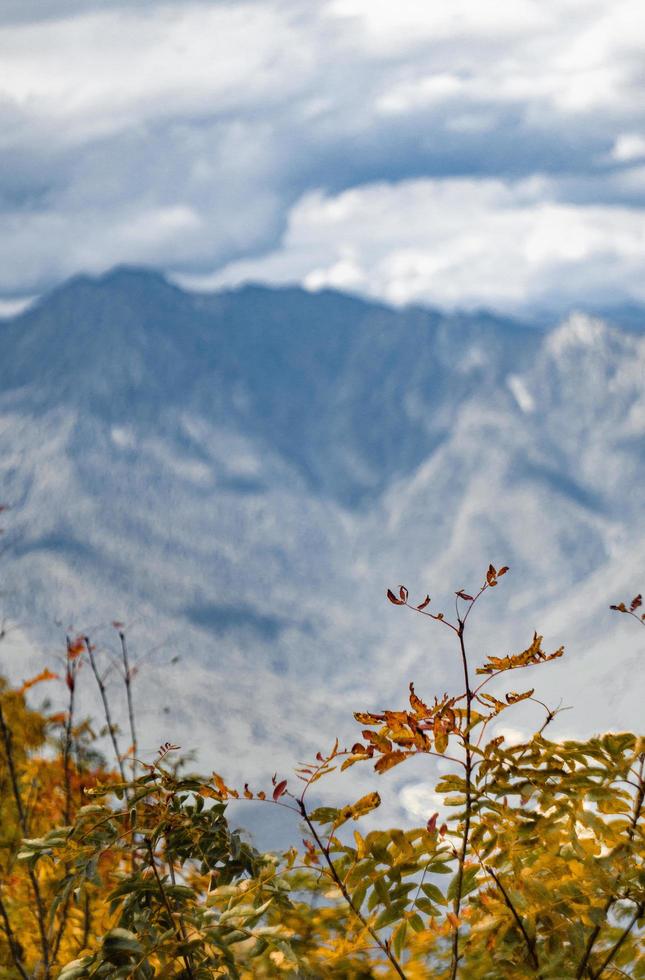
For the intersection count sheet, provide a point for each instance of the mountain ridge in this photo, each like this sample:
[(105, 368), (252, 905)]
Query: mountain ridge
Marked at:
[(240, 476)]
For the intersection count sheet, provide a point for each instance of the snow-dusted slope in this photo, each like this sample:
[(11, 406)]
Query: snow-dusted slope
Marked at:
[(240, 476)]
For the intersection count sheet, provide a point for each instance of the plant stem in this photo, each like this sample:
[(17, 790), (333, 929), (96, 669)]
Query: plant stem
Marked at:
[(11, 940), (127, 676), (40, 907), (106, 708), (179, 930), (67, 745), (454, 965), (384, 947), (530, 943), (612, 952)]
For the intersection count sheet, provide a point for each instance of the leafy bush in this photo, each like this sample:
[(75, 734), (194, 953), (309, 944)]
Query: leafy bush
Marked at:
[(537, 873)]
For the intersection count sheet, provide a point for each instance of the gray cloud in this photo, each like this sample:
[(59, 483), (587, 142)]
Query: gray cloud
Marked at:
[(191, 135)]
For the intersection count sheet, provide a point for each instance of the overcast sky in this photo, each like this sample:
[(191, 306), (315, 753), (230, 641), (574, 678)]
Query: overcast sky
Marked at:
[(446, 151)]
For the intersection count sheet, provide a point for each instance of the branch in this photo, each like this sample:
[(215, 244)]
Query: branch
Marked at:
[(11, 939), (640, 908), (40, 907), (530, 943), (383, 946), (106, 708), (179, 930)]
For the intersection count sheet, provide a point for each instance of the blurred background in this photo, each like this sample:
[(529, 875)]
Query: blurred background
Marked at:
[(301, 301)]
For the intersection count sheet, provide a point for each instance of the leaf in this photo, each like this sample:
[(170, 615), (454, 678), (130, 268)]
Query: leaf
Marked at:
[(280, 790), (464, 595), (324, 814), (393, 598), (433, 893), (502, 571), (534, 654), (426, 602), (44, 675), (419, 707), (367, 718), (365, 805), (431, 825), (76, 969), (636, 602), (513, 697), (118, 943), (389, 760), (403, 593)]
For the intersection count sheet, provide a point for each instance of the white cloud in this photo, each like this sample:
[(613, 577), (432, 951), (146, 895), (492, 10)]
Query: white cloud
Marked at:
[(182, 134), (456, 242), (628, 147)]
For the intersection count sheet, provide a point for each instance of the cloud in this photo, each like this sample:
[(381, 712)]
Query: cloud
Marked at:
[(189, 135), (456, 243)]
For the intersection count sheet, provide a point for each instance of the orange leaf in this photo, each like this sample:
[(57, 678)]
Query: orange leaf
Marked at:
[(420, 709), (44, 675), (389, 760)]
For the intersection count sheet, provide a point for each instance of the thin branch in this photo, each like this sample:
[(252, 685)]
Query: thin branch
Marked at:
[(40, 907), (127, 676), (11, 939), (530, 943), (466, 832), (640, 908), (383, 946), (179, 929), (106, 708)]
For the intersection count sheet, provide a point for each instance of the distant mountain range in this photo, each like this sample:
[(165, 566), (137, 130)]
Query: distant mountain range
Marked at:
[(240, 476)]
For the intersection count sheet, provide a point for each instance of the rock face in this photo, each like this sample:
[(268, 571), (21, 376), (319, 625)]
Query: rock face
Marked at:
[(240, 476)]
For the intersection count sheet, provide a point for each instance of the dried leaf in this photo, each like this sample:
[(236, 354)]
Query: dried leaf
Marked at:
[(280, 790), (389, 760), (44, 675), (393, 598)]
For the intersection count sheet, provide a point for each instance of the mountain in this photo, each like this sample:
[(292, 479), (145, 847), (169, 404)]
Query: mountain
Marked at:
[(239, 476)]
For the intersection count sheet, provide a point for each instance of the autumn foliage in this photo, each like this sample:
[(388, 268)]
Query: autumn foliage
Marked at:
[(533, 869)]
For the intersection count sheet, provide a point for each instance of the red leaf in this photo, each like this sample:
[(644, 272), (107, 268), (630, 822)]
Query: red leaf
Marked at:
[(431, 825), (425, 603), (464, 595), (393, 598), (403, 592), (503, 570), (279, 790)]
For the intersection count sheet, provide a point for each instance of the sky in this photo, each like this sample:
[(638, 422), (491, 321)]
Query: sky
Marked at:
[(453, 152)]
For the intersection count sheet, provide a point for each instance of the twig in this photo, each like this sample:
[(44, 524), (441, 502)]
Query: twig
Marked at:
[(383, 946), (640, 908), (40, 907), (127, 676), (530, 943), (106, 708), (179, 930), (11, 939), (469, 766)]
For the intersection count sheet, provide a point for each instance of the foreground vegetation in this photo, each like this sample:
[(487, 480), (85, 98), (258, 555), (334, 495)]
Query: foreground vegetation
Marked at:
[(130, 869)]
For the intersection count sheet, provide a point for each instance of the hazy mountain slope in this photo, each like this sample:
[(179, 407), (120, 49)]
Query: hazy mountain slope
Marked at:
[(241, 475)]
